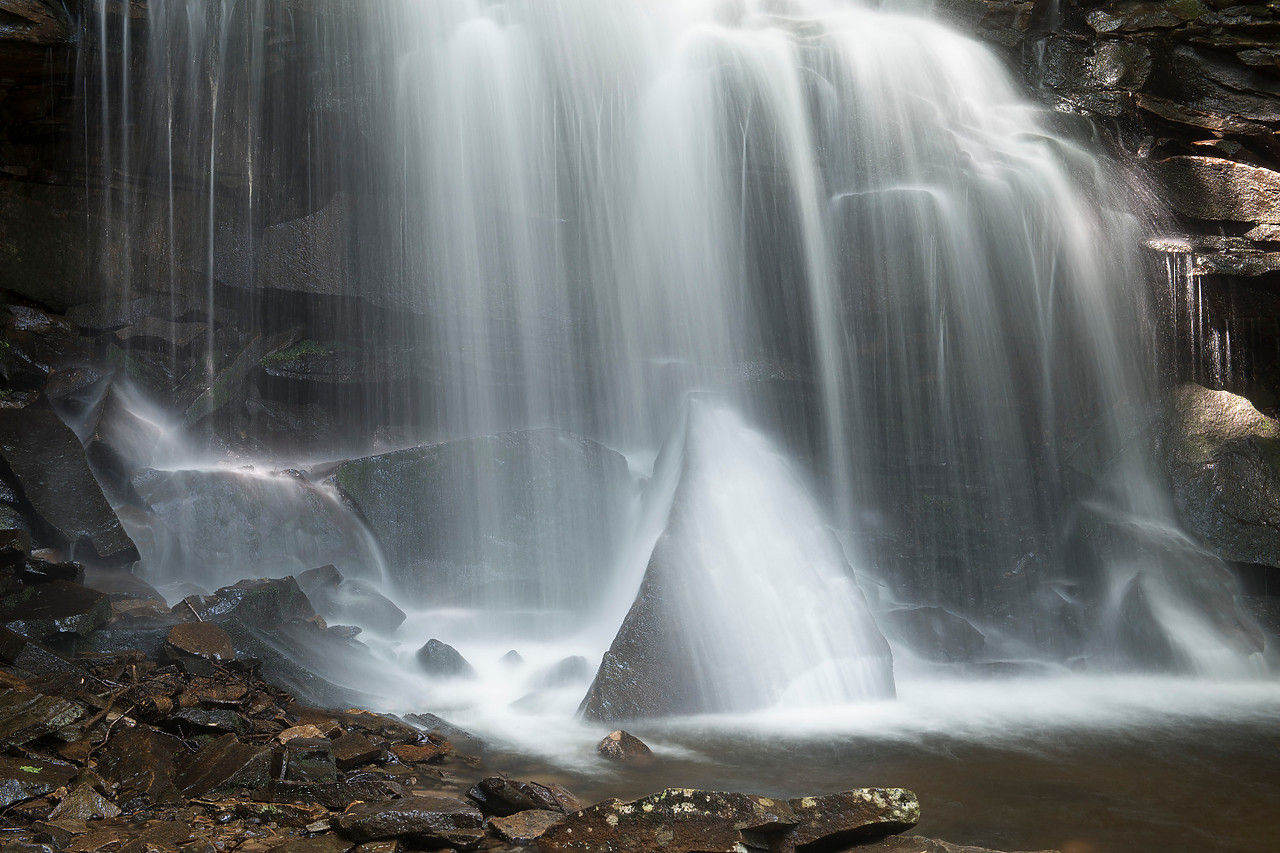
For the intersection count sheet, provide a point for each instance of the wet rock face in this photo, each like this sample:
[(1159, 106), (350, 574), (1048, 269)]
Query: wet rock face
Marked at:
[(503, 797), (625, 748), (47, 463), (682, 820), (431, 820), (1223, 459), (421, 504)]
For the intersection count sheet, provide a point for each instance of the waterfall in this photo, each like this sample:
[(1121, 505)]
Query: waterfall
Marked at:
[(917, 310)]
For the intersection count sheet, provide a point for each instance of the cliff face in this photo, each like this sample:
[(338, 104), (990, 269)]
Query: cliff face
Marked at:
[(1188, 93)]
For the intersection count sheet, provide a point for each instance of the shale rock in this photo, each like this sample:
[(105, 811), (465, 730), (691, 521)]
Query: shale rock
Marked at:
[(55, 609), (138, 763), (504, 797), (202, 640), (350, 602), (48, 464), (224, 765), (442, 659), (27, 778), (432, 820)]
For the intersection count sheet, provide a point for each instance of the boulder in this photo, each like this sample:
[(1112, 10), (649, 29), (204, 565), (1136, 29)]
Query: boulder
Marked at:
[(625, 747), (442, 659), (54, 610), (1223, 460), (202, 640), (264, 603), (440, 821), (283, 525), (47, 462), (934, 633), (306, 759), (682, 820), (508, 520), (733, 572), (350, 602), (570, 671), (24, 779), (524, 828), (26, 716), (503, 797)]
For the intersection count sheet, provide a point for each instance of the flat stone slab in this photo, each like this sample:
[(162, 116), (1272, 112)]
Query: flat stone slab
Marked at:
[(683, 820), (524, 827), (433, 820)]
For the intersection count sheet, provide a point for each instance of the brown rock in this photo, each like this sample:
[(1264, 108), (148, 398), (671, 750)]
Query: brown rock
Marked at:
[(200, 640), (1213, 189), (84, 803), (26, 716), (524, 827), (24, 779), (354, 749), (138, 763), (224, 765), (498, 795), (837, 820), (677, 820), (307, 731), (421, 753), (432, 820), (625, 747)]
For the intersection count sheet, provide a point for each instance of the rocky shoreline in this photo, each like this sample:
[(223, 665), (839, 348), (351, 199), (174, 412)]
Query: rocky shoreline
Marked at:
[(187, 747)]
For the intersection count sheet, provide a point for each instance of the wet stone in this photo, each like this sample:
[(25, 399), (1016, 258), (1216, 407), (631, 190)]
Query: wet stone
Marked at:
[(422, 753), (320, 844), (84, 803), (834, 821), (677, 820), (27, 778), (217, 719), (524, 827), (57, 608), (432, 820), (138, 764), (202, 640), (264, 603), (225, 764), (307, 760), (334, 795), (503, 797), (354, 749), (625, 747), (27, 716), (442, 659)]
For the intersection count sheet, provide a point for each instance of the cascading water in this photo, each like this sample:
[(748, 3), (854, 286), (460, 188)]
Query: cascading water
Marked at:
[(844, 224)]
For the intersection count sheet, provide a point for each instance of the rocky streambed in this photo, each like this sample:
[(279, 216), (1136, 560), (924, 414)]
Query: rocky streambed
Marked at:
[(129, 726)]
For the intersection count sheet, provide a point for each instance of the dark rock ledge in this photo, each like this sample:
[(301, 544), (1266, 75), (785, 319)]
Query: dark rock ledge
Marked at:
[(126, 726)]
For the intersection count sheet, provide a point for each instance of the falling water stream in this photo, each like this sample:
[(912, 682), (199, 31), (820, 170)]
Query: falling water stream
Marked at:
[(854, 337)]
